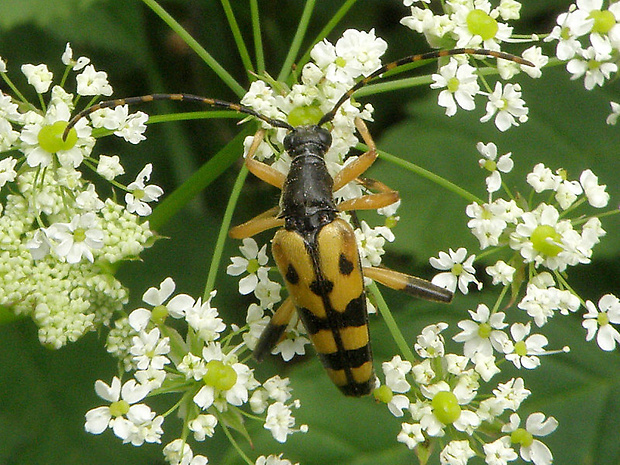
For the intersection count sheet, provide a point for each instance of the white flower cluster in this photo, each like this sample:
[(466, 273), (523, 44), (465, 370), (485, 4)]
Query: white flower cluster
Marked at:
[(475, 24), (198, 365), (588, 37), (59, 237), (448, 401)]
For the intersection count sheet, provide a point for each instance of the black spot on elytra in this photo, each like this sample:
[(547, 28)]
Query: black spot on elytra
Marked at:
[(345, 265), (321, 287), (291, 275)]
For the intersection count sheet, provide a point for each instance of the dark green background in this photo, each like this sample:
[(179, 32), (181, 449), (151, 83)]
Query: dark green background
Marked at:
[(44, 394)]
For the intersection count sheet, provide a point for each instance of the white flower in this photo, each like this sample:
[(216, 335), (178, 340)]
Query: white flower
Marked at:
[(67, 59), (98, 419), (411, 435), (511, 394), (7, 171), (501, 272), (38, 76), (595, 64), (504, 164), (204, 319), (279, 421), (177, 307), (526, 350), (109, 167), (77, 239), (597, 197), (612, 119), (278, 388), (499, 452), (178, 452), (203, 426), (485, 366), (91, 82), (273, 460), (533, 450), (461, 85), (395, 371), (542, 178), (535, 56), (370, 242), (435, 420), (139, 193), (253, 262), (456, 453), (192, 366), (483, 334), (508, 105), (430, 343), (599, 323), (460, 270), (150, 349)]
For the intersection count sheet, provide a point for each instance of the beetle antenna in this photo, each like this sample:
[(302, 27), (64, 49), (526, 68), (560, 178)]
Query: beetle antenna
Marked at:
[(412, 59), (175, 97)]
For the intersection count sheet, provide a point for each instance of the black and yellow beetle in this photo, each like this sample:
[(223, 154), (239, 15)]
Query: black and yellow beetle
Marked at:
[(315, 250)]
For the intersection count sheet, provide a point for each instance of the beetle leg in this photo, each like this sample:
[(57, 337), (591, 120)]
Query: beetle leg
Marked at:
[(362, 163), (258, 224), (411, 285), (386, 196), (274, 331), (262, 170)]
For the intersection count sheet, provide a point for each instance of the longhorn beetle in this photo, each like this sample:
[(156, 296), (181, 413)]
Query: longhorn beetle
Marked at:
[(315, 251)]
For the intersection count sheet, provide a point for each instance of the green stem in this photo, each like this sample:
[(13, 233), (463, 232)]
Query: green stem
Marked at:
[(202, 178), (426, 174), (223, 234), (258, 40), (234, 27), (296, 44), (196, 47), (233, 442), (397, 335)]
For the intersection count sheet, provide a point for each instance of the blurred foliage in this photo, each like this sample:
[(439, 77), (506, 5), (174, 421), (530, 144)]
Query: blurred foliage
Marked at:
[(44, 395)]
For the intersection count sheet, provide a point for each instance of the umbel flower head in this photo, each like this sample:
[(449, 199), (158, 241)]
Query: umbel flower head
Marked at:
[(59, 237)]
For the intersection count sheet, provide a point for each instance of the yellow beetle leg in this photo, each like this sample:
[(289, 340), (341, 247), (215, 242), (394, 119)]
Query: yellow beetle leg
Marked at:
[(362, 163), (264, 221), (262, 170), (411, 285)]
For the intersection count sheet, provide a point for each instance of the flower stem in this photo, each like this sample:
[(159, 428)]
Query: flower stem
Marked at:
[(202, 178), (196, 47), (257, 35), (426, 174), (296, 43), (234, 28), (223, 234), (397, 335)]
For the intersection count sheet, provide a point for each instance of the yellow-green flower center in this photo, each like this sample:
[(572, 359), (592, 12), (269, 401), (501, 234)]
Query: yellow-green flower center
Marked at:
[(521, 349), (457, 269), (383, 394), (119, 408), (304, 116), (603, 21), (453, 84), (138, 194), (50, 137), (159, 314), (253, 266), (446, 407), (545, 239), (521, 436), (79, 235), (490, 165), (481, 24), (484, 330), (220, 376), (602, 319)]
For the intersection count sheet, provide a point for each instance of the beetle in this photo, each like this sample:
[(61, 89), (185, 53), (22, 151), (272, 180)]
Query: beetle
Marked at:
[(314, 249)]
